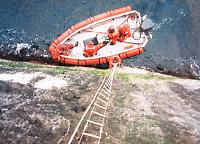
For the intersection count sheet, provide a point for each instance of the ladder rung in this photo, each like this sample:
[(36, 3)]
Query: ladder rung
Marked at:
[(96, 123), (104, 96), (100, 106), (107, 86), (99, 114), (107, 89), (108, 83), (109, 80), (102, 100), (105, 92), (91, 135)]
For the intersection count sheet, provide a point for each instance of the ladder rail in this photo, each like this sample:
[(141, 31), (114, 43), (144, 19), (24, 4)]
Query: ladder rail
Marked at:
[(107, 85), (101, 129), (88, 108), (93, 112)]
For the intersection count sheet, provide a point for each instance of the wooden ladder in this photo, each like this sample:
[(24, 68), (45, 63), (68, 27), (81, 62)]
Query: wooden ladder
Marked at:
[(98, 113)]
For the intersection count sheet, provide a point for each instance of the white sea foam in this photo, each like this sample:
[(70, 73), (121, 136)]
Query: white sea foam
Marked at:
[(21, 46), (164, 21), (194, 67)]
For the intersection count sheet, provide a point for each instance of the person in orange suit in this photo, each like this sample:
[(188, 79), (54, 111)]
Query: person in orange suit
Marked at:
[(113, 34), (124, 32), (65, 48), (91, 49)]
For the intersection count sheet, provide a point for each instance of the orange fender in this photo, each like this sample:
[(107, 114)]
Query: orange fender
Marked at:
[(113, 60)]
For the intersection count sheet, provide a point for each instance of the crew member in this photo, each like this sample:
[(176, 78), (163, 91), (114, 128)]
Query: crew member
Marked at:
[(124, 32), (65, 48), (91, 49), (113, 34)]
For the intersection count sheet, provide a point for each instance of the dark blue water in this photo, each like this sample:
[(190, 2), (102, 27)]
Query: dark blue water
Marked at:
[(27, 27)]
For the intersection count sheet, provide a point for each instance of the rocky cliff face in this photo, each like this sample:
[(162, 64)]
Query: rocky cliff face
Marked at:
[(40, 104), (155, 109)]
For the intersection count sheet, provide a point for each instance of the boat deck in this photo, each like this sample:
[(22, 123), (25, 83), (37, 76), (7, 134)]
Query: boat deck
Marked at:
[(107, 50)]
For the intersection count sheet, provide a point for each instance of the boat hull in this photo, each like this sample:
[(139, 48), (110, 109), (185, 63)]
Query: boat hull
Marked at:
[(97, 60)]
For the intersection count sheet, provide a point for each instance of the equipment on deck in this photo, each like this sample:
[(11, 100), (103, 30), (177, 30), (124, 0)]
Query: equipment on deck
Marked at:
[(120, 32)]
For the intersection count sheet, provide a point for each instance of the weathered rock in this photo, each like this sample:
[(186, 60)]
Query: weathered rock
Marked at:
[(41, 105), (153, 108), (37, 107)]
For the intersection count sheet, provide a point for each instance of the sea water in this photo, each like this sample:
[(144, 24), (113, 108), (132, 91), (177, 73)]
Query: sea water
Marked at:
[(174, 48)]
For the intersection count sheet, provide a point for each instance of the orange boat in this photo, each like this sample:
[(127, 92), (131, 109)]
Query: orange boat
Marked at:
[(105, 38)]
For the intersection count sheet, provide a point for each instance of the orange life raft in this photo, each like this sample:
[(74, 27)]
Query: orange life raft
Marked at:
[(70, 47)]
